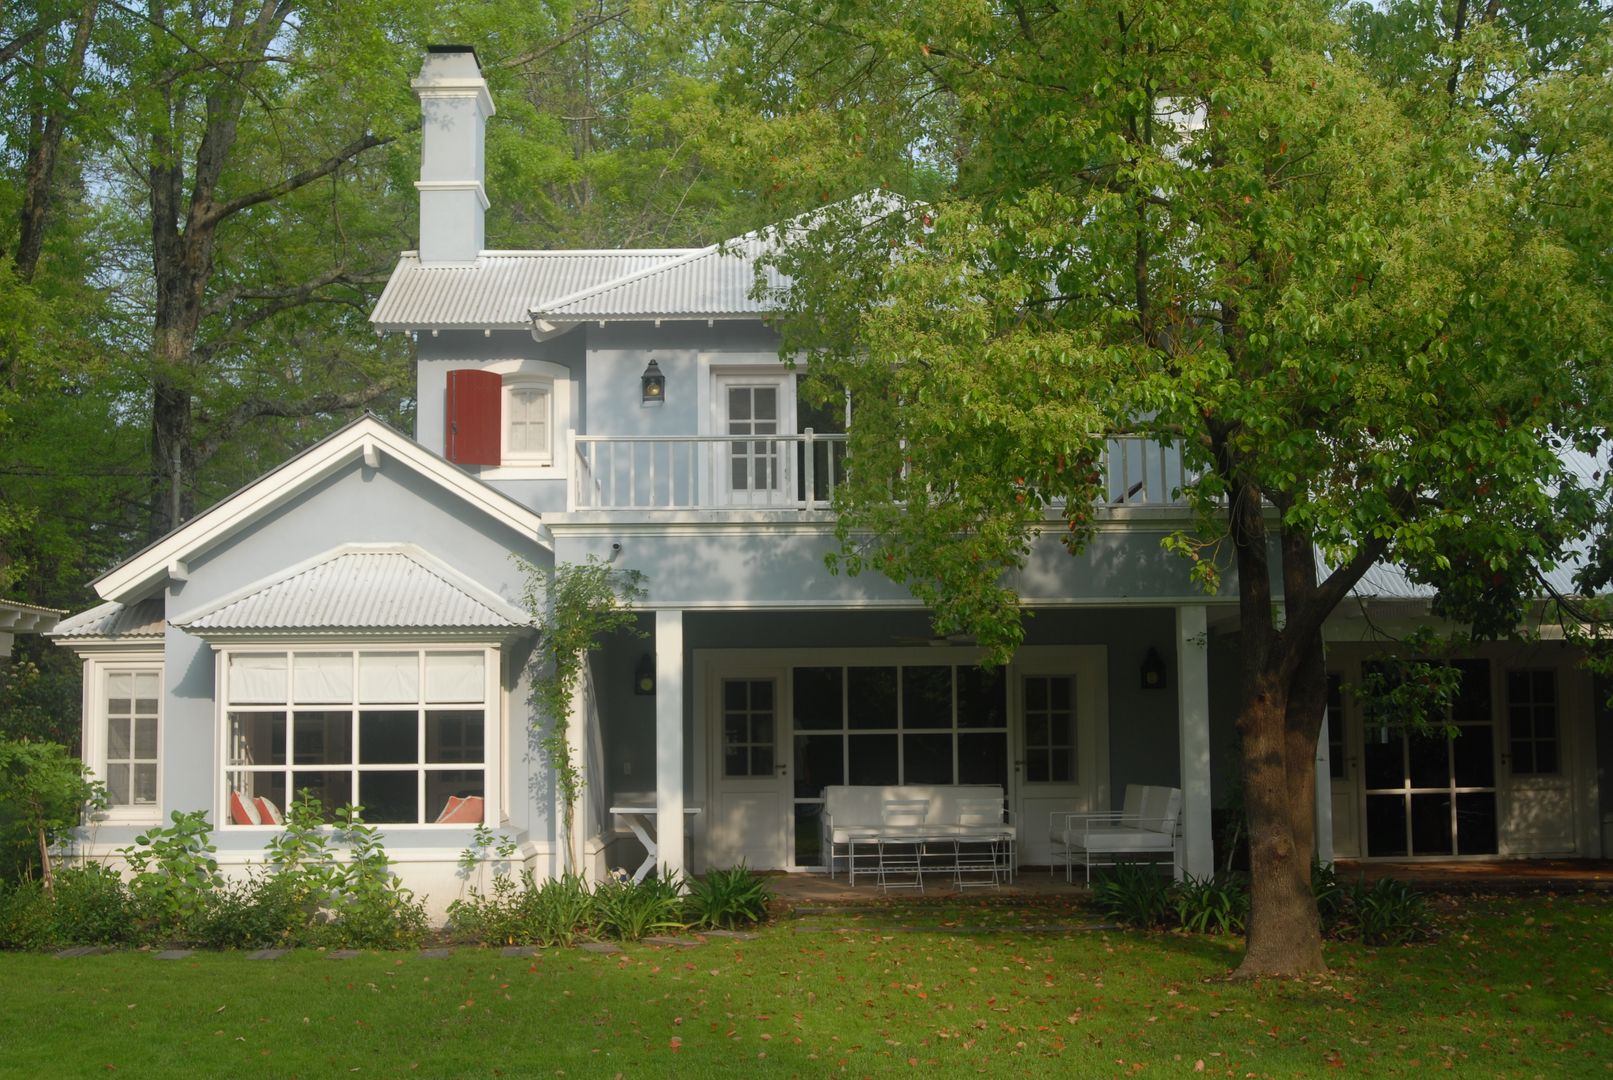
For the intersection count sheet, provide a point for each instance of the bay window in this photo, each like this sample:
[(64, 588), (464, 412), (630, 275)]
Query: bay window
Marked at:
[(406, 733)]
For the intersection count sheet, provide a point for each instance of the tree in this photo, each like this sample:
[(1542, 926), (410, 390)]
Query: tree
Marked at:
[(43, 793), (1342, 269)]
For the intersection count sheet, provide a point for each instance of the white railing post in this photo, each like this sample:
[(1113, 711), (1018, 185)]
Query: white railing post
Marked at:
[(808, 472)]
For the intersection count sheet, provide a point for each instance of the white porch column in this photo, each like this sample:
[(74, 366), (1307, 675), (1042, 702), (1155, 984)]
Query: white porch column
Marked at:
[(1324, 796), (669, 741), (1193, 707)]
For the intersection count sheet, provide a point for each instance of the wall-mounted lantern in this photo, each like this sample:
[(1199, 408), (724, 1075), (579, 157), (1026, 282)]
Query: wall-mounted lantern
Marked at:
[(644, 675), (1153, 673), (652, 385)]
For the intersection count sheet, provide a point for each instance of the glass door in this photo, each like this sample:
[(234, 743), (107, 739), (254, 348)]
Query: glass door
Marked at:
[(1431, 795)]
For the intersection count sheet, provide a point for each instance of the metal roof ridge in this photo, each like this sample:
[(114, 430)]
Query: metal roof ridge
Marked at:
[(629, 279)]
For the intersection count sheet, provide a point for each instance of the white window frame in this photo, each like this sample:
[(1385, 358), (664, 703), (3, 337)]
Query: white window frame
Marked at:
[(96, 671), (514, 384), (556, 378), (493, 705)]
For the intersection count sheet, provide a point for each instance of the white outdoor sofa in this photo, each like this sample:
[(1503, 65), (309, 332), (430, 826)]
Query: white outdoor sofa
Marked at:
[(1146, 825), (909, 830)]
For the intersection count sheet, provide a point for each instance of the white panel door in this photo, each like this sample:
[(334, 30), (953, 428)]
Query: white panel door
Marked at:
[(1537, 804), (1061, 761), (757, 468), (1343, 779), (750, 774)]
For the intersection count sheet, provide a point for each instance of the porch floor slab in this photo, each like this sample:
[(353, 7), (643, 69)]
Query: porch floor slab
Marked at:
[(808, 889), (1467, 875)]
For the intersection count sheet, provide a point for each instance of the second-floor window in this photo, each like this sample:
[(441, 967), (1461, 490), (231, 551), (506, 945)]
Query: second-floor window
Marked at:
[(528, 420)]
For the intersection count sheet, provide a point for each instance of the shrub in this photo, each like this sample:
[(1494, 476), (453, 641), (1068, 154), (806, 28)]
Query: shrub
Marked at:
[(26, 918), (1214, 905), (93, 907), (1332, 898), (631, 911), (1135, 896), (174, 872), (1390, 913), (725, 899)]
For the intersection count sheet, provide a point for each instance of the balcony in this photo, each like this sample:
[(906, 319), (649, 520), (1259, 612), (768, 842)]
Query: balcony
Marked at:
[(798, 472)]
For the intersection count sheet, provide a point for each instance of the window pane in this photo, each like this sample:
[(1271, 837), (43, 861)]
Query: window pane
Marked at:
[(267, 786), (322, 678), (1386, 825), (871, 697), (334, 790), (736, 761), (809, 834), (117, 784), (145, 738), (456, 677), (388, 677), (982, 698), (1430, 761), (257, 680), (1475, 823), (983, 758), (1431, 825), (120, 690), (735, 694), (873, 759), (817, 699), (117, 738), (388, 738), (1036, 766), (322, 738), (761, 760), (461, 784), (389, 797), (257, 738), (1545, 757), (454, 735), (1381, 753), (145, 785), (927, 759), (927, 697), (818, 764), (146, 688)]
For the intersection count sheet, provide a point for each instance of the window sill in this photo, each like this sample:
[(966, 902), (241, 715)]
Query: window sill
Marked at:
[(522, 470)]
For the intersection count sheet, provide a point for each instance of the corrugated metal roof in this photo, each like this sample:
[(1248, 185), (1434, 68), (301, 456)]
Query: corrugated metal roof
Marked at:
[(115, 620), (713, 282), (395, 589), (501, 288), (1385, 582)]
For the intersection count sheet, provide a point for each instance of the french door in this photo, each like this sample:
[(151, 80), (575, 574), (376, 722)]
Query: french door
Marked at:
[(759, 411)]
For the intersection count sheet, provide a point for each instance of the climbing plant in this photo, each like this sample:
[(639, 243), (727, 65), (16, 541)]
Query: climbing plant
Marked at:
[(575, 606)]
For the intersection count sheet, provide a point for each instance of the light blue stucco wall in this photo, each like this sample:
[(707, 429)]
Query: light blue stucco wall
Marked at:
[(391, 504)]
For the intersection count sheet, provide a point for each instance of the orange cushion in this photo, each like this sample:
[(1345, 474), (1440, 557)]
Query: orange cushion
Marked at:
[(243, 811), (466, 811), (268, 811)]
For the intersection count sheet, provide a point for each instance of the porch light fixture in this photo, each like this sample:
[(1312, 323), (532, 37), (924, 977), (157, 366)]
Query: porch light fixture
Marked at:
[(1153, 670), (652, 385), (644, 674)]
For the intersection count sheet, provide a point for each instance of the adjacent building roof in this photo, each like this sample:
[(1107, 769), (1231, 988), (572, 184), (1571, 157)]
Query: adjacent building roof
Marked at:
[(715, 282), (19, 618), (363, 589), (500, 289), (367, 439), (115, 621)]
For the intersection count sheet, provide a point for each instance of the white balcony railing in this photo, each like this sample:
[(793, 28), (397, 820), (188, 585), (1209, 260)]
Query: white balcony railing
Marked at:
[(797, 472)]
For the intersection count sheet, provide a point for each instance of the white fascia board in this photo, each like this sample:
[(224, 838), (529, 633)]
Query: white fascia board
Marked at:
[(136, 577)]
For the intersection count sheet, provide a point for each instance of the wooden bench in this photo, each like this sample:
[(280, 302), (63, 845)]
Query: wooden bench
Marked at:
[(921, 828), (1145, 825)]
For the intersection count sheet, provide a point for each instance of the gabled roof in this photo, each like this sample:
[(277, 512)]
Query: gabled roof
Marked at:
[(712, 283), (500, 288), (115, 621), (361, 588), (366, 438)]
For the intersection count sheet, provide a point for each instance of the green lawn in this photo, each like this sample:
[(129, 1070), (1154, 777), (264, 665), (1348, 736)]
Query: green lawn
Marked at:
[(1515, 988)]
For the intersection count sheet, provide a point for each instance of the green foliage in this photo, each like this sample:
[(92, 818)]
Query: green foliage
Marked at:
[(575, 606), (91, 906), (1389, 912), (40, 699), (1213, 905), (173, 871), (1134, 895), (631, 910), (725, 899), (26, 918), (520, 911), (43, 792)]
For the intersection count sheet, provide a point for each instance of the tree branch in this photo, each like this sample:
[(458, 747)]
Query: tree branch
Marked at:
[(257, 408), (220, 211)]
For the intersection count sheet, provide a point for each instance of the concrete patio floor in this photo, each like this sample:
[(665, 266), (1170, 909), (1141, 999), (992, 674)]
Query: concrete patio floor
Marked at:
[(1033, 883)]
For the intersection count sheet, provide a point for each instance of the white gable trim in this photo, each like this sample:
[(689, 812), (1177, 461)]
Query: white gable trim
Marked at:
[(363, 439)]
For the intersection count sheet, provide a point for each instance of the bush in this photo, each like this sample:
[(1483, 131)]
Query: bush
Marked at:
[(725, 899), (93, 907), (1214, 905), (174, 874), (631, 911), (1135, 896), (1390, 913), (26, 916)]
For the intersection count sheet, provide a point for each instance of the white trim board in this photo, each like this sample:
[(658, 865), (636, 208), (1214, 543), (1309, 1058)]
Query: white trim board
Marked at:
[(360, 440)]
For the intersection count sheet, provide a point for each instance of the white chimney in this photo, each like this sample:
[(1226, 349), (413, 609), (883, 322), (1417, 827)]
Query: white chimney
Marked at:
[(454, 107)]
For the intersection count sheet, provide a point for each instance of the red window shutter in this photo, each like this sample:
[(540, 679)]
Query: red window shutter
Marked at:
[(473, 434)]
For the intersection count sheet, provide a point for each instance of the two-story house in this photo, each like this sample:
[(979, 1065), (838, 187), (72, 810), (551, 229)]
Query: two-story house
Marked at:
[(352, 622)]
